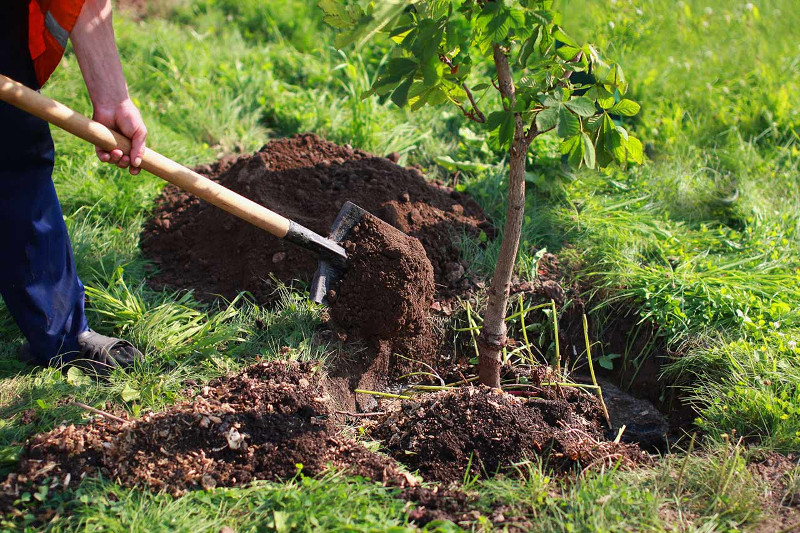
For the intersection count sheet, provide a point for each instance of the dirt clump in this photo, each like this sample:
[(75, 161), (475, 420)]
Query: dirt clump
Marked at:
[(484, 430), (388, 286), (307, 179), (259, 424)]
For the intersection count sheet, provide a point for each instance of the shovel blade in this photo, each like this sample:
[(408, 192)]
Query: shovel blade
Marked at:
[(327, 273)]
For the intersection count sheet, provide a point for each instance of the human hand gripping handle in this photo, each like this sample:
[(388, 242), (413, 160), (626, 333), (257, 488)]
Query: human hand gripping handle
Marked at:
[(110, 141), (124, 118), (96, 51)]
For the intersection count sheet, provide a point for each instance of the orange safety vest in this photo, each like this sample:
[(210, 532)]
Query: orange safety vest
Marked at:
[(49, 25)]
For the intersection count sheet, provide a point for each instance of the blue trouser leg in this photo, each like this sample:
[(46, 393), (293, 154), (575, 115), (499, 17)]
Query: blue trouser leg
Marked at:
[(38, 281)]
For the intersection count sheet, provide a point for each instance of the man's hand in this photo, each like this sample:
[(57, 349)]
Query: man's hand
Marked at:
[(124, 118), (96, 50)]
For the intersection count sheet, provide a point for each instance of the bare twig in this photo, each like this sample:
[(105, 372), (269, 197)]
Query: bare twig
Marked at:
[(476, 114), (98, 412)]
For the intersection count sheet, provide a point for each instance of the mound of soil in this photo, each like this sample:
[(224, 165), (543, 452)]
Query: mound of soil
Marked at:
[(307, 179), (259, 424), (482, 429)]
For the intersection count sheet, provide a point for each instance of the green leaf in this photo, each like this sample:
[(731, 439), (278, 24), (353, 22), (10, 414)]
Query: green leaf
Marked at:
[(572, 147), (625, 107), (635, 151), (541, 17), (481, 87), (547, 119), (495, 21), (495, 119), (339, 15), (368, 26), (588, 151), (506, 133), (582, 106), (607, 361), (560, 35), (400, 95), (568, 124), (76, 377), (567, 53), (129, 393)]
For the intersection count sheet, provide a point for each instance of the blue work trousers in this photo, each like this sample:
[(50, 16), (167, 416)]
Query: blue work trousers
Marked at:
[(38, 281)]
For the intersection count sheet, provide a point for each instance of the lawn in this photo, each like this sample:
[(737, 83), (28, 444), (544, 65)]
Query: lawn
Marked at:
[(699, 247)]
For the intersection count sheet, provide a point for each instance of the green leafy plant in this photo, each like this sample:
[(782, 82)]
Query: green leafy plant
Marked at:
[(518, 49)]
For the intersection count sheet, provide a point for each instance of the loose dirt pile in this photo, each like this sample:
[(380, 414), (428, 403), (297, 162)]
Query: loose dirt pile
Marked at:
[(258, 424), (198, 246), (445, 433)]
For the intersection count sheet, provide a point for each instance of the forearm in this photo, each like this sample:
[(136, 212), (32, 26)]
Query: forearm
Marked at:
[(96, 50)]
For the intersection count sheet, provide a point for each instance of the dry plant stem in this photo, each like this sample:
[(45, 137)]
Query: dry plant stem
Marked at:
[(555, 334), (685, 461), (591, 370), (382, 394), (360, 415), (492, 339), (98, 412)]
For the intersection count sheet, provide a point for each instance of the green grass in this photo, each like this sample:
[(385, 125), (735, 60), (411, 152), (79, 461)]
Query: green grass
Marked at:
[(702, 241)]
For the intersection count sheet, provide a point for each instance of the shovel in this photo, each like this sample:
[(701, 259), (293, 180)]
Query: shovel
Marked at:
[(332, 256)]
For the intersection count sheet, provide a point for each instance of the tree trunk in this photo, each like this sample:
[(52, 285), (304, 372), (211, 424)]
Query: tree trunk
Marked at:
[(493, 335)]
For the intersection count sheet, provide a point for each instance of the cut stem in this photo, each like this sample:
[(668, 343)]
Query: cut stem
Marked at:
[(555, 333), (591, 369)]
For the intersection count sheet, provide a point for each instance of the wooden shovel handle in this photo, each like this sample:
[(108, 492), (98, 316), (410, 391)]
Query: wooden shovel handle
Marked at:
[(65, 118)]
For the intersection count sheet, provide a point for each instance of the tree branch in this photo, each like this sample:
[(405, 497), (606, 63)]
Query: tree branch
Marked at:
[(476, 114)]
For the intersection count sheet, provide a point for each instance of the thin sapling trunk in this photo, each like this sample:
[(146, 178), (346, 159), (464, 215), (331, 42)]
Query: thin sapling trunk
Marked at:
[(493, 335)]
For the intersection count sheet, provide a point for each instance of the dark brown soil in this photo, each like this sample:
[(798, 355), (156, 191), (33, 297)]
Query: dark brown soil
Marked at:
[(445, 433), (307, 179), (259, 424), (387, 289), (385, 296)]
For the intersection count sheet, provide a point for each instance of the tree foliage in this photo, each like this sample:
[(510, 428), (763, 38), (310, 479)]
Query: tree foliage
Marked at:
[(440, 55)]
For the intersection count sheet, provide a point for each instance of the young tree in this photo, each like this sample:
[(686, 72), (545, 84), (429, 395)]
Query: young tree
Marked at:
[(514, 47)]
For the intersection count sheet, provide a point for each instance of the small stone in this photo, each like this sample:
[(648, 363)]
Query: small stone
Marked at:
[(208, 482), (454, 272), (165, 223), (553, 291), (303, 382), (405, 197), (278, 257)]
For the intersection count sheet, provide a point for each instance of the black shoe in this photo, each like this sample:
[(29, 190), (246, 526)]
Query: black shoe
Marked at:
[(100, 354)]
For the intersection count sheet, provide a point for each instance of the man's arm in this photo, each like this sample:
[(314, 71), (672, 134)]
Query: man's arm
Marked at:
[(96, 50)]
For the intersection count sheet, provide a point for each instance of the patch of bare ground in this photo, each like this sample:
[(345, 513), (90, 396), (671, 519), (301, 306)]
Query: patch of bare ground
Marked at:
[(781, 502)]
